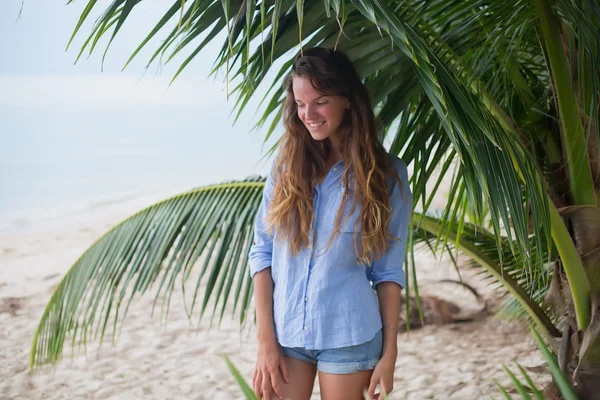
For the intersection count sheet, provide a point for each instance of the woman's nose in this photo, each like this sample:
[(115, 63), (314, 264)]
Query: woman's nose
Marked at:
[(311, 113)]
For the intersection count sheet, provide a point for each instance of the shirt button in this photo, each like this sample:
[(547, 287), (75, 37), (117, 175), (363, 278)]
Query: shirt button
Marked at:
[(306, 328), (335, 168), (306, 299)]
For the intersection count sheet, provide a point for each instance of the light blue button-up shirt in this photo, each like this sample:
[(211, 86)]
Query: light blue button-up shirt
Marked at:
[(326, 300)]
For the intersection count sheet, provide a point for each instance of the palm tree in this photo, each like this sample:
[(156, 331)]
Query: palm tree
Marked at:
[(502, 96)]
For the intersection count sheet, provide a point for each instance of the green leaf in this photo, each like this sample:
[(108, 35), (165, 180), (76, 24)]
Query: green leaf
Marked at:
[(248, 392), (82, 18), (275, 25), (538, 394), (503, 391), (300, 13), (561, 381), (518, 384), (168, 15)]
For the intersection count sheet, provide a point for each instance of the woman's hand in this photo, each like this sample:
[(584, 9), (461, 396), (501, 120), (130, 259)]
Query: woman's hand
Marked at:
[(383, 374), (270, 368)]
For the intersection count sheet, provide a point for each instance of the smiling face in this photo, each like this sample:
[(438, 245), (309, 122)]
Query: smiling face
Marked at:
[(322, 115)]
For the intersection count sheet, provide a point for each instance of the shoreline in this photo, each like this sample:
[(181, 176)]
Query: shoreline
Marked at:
[(82, 211)]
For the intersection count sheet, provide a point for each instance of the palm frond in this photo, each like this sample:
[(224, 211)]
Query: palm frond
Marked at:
[(509, 269), (582, 27), (494, 164), (562, 382), (524, 390), (481, 144), (210, 228), (248, 392)]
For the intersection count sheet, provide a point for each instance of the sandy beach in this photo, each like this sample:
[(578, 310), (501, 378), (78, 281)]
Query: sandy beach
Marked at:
[(182, 360)]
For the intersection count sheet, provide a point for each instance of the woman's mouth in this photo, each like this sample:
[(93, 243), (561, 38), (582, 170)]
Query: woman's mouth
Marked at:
[(315, 124)]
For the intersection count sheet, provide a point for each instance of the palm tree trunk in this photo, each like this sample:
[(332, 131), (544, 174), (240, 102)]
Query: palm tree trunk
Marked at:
[(579, 350)]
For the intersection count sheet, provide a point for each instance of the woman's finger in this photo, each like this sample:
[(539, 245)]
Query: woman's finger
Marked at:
[(257, 384), (276, 384), (387, 388), (382, 390), (266, 386), (372, 386)]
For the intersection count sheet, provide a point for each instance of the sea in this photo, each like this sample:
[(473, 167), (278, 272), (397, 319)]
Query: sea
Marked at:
[(59, 166)]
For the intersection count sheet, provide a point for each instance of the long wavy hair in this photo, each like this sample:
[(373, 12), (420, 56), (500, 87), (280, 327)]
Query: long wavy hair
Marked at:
[(302, 160)]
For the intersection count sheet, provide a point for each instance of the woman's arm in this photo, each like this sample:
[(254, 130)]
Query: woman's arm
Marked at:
[(389, 307), (263, 299), (389, 294), (388, 279), (270, 362)]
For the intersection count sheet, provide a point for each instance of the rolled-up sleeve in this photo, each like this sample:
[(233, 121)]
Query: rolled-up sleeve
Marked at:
[(261, 251), (389, 268)]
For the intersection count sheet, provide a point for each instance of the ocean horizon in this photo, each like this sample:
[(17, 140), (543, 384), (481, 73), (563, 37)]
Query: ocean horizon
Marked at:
[(64, 164)]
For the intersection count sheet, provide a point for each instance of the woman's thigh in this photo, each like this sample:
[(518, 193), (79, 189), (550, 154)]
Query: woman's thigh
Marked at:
[(302, 379), (344, 386)]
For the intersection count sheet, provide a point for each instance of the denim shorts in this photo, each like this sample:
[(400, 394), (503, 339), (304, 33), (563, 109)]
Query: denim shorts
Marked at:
[(343, 360)]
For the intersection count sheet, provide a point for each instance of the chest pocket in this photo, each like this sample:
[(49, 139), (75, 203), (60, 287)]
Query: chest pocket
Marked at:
[(346, 253)]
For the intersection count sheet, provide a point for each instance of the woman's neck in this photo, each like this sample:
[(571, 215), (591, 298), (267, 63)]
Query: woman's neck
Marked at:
[(336, 151)]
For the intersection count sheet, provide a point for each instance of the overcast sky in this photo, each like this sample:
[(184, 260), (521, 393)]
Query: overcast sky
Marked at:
[(43, 94), (75, 135), (33, 47)]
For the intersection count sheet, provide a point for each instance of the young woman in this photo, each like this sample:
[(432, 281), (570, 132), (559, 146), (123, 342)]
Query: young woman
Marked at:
[(329, 242)]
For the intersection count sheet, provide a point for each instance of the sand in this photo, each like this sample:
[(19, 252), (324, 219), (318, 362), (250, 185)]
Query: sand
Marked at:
[(179, 360)]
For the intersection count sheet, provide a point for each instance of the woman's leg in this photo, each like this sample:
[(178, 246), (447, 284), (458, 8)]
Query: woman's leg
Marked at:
[(302, 380), (344, 386)]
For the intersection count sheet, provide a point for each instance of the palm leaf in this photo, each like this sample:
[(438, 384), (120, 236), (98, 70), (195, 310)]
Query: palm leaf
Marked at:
[(509, 270), (562, 382), (209, 228), (521, 387), (248, 392), (565, 388), (494, 164)]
